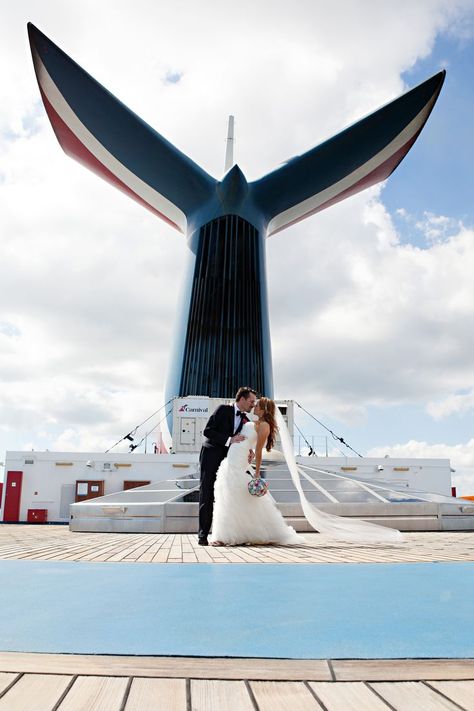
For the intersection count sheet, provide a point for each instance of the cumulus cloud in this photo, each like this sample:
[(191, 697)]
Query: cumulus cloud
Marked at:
[(438, 228), (385, 323), (458, 403), (433, 228), (90, 287)]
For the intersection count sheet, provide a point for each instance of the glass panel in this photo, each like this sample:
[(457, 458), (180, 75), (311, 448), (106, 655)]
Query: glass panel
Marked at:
[(192, 497), (323, 478), (170, 485), (355, 497), (291, 497), (398, 497), (340, 485), (142, 497), (280, 484), (317, 475), (284, 479)]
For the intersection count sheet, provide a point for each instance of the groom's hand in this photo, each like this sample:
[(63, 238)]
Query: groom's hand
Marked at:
[(237, 438), (251, 455)]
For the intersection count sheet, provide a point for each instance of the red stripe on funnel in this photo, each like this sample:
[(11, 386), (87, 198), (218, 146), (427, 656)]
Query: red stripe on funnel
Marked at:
[(72, 145), (376, 176)]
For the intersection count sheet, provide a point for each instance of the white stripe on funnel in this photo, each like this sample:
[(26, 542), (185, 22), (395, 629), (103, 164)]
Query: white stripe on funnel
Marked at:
[(139, 187), (311, 204)]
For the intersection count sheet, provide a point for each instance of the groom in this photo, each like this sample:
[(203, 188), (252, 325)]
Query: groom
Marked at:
[(222, 429)]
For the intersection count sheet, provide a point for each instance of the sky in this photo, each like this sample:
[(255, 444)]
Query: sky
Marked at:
[(371, 301)]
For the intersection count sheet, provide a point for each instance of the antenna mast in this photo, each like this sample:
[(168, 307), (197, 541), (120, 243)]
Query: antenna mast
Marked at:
[(229, 149)]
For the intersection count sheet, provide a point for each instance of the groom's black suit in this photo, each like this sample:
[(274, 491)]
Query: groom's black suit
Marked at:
[(219, 428)]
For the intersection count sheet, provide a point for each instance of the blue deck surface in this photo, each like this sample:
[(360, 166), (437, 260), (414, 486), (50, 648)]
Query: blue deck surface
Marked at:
[(281, 611)]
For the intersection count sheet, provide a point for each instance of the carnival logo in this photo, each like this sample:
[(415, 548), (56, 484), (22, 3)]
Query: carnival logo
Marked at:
[(193, 410)]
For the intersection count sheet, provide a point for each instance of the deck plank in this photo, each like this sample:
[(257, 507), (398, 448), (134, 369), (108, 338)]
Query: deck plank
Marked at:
[(403, 669), (6, 680), (177, 667), (157, 695), (347, 696), (461, 692), (90, 693), (35, 692), (281, 696), (410, 695), (212, 695)]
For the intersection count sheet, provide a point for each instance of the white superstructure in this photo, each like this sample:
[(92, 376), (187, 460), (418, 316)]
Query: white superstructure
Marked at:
[(42, 486)]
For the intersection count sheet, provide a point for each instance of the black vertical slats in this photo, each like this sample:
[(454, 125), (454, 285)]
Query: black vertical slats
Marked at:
[(224, 340)]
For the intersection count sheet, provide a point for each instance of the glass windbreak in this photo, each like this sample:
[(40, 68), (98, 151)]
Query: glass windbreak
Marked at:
[(339, 489), (359, 496), (167, 485), (338, 485), (393, 492), (319, 475), (395, 497), (141, 497), (291, 497), (191, 497), (281, 484)]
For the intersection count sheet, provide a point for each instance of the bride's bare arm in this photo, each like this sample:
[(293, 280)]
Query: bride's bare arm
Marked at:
[(262, 436)]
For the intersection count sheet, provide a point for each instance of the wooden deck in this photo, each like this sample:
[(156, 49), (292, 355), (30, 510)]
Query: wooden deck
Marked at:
[(41, 682), (58, 543), (46, 682)]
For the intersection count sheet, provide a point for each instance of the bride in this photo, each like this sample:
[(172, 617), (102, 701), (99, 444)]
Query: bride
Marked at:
[(241, 518)]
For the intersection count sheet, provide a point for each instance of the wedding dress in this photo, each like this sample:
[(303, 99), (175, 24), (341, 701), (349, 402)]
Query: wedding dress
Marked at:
[(239, 517)]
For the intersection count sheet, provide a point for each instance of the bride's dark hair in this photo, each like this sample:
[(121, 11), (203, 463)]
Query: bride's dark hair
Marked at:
[(268, 406)]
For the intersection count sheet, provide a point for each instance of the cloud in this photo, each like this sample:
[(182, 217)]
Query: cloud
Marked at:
[(458, 403), (438, 228), (435, 229), (90, 292), (373, 321), (463, 453)]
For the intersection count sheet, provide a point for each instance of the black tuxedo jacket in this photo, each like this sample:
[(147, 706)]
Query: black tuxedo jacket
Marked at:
[(219, 428)]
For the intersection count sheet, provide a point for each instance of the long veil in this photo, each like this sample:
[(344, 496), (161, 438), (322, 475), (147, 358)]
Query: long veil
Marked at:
[(335, 526)]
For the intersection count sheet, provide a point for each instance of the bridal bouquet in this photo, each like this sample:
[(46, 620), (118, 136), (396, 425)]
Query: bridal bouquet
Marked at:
[(257, 486)]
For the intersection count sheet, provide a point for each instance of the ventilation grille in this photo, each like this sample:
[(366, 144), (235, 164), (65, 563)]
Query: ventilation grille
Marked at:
[(224, 346)]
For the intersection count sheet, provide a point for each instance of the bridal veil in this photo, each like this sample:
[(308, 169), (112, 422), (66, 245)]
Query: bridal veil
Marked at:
[(353, 530)]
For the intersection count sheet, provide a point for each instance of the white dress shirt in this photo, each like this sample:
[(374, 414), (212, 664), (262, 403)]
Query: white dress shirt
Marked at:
[(237, 419)]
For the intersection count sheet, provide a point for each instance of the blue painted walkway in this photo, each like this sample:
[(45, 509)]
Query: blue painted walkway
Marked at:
[(281, 611)]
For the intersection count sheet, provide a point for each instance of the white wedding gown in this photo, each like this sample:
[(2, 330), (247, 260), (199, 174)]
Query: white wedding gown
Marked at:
[(239, 517)]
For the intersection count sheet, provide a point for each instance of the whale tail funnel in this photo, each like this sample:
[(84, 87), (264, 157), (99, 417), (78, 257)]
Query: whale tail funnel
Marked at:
[(96, 129), (360, 156)]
